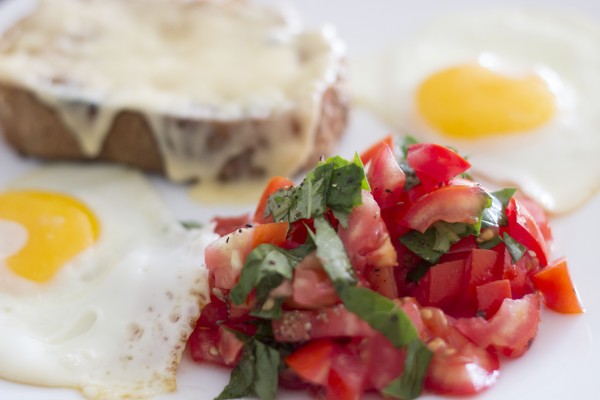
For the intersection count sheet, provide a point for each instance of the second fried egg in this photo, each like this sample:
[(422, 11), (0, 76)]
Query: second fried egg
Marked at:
[(514, 91)]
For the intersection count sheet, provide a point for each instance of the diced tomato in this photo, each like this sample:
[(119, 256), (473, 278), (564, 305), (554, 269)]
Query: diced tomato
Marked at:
[(225, 225), (555, 284), (383, 361), (273, 233), (216, 345), (347, 375), (213, 313), (480, 266), (382, 280), (524, 229), (336, 321), (311, 287), (491, 295), (539, 216), (368, 154), (276, 183), (312, 361), (386, 178), (434, 163), (449, 203), (366, 238), (458, 367), (442, 284), (226, 256), (510, 331)]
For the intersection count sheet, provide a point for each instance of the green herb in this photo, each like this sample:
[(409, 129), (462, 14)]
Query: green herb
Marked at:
[(489, 244), (335, 183), (494, 216), (381, 313), (437, 240), (407, 141), (256, 373), (191, 224), (266, 267), (515, 249), (419, 271)]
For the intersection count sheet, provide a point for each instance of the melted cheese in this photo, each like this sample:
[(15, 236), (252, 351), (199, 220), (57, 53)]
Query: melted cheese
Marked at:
[(218, 82)]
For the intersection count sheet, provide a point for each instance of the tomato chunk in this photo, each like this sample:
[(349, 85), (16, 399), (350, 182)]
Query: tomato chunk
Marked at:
[(491, 295), (368, 154), (311, 287), (450, 204), (524, 229), (510, 331), (312, 361), (442, 284), (434, 163), (386, 178), (555, 284)]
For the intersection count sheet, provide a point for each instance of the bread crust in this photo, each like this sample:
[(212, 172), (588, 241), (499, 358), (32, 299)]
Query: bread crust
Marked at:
[(36, 129)]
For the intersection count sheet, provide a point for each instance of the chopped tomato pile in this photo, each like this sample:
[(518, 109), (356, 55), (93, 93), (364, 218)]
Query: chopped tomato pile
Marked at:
[(406, 278)]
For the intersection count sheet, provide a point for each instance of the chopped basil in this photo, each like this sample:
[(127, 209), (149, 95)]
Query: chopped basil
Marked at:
[(191, 224), (266, 267), (381, 313), (335, 183), (437, 240), (406, 142), (495, 215), (515, 249), (257, 373), (489, 244)]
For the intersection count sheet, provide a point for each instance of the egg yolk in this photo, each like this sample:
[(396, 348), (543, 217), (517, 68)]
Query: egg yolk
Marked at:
[(471, 101), (58, 228)]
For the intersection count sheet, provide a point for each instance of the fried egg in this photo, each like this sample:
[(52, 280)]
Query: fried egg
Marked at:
[(99, 286), (515, 91)]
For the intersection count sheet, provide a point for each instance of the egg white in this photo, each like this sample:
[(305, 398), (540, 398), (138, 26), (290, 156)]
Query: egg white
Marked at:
[(114, 321), (557, 163)]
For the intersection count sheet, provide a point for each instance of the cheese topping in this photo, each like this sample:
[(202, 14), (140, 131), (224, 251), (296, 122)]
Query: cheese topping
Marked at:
[(218, 82)]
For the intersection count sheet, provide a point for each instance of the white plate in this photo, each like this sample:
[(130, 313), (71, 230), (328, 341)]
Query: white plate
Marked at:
[(561, 363)]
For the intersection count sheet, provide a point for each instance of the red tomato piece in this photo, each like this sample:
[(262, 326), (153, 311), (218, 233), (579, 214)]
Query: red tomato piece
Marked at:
[(225, 256), (347, 375), (491, 295), (382, 280), (434, 163), (225, 225), (539, 216), (386, 178), (383, 361), (368, 154), (366, 238), (449, 203), (311, 287), (336, 321), (442, 284), (312, 361), (524, 229), (458, 366), (276, 183), (216, 345), (556, 286), (511, 331)]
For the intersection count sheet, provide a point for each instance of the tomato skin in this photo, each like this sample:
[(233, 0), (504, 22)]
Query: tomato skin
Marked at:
[(449, 203), (491, 295), (272, 233), (538, 215), (276, 183), (434, 163), (312, 361), (524, 229), (556, 286), (510, 331), (386, 178), (225, 225), (368, 154), (366, 238), (311, 287), (442, 284)]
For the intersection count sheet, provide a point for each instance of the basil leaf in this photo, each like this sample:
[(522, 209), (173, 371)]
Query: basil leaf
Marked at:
[(331, 253), (494, 216), (409, 384), (407, 141), (437, 240), (489, 244), (335, 183), (257, 373), (265, 268), (381, 313), (515, 249), (191, 224)]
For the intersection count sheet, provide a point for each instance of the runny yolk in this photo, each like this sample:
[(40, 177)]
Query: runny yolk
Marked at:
[(471, 101), (58, 228)]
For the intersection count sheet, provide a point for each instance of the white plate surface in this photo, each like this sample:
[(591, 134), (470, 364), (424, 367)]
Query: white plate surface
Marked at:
[(562, 363)]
